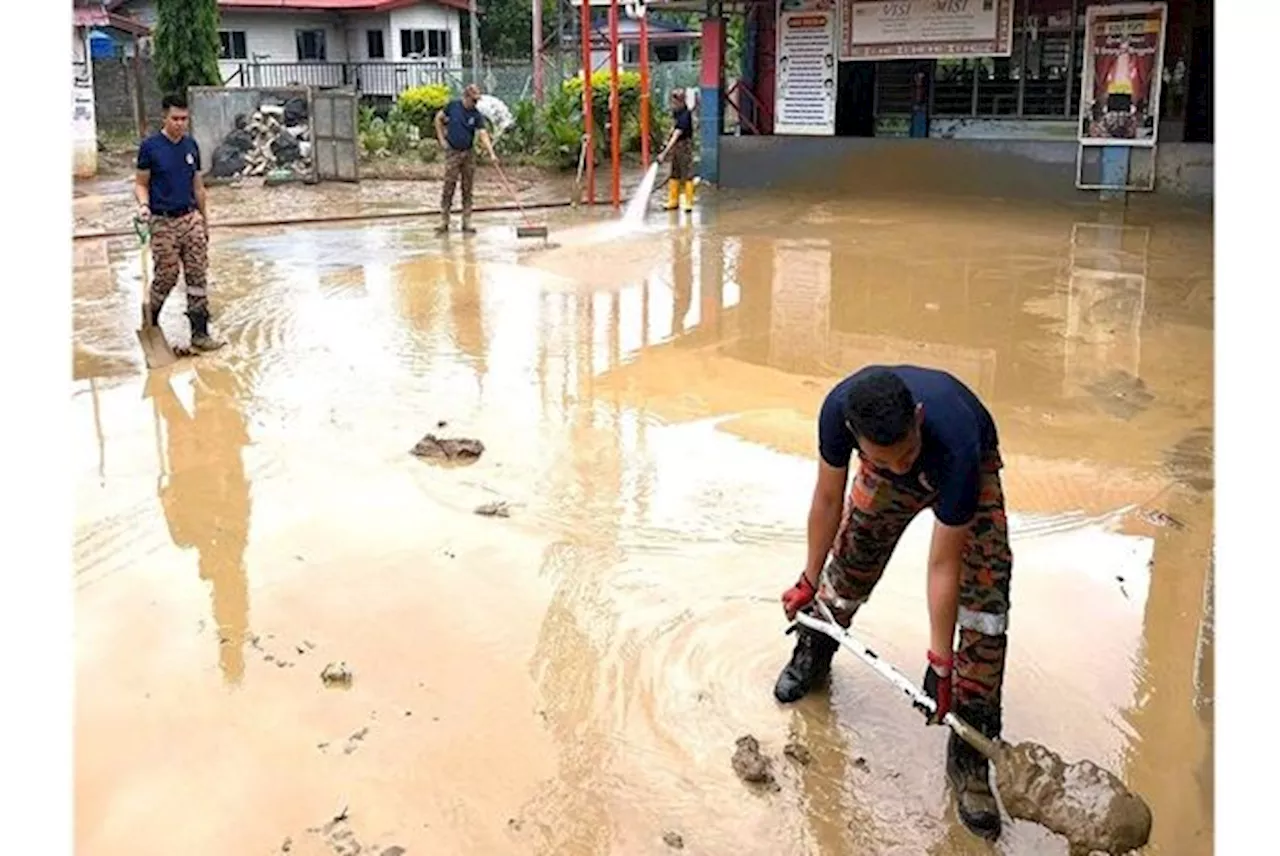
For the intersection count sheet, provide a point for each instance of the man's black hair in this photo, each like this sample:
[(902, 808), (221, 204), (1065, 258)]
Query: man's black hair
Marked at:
[(175, 99), (880, 408)]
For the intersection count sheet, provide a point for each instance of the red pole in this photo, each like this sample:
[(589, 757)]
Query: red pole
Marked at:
[(644, 88), (586, 103), (615, 130)]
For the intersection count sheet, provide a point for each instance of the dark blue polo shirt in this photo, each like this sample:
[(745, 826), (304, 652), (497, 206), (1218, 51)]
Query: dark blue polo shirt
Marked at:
[(957, 432), (683, 119), (173, 167), (461, 125)]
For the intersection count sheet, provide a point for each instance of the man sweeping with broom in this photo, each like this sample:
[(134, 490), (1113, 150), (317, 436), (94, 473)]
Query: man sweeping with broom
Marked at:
[(457, 125), (923, 440), (680, 148)]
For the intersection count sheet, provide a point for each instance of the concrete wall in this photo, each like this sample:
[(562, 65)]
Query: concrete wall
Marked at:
[(1006, 168), (113, 93)]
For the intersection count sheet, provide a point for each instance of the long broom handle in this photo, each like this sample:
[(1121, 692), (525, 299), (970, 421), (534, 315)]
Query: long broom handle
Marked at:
[(919, 698), (511, 190)]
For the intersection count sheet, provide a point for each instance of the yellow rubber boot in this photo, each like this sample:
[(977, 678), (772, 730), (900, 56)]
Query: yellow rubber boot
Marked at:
[(673, 194), (688, 196)]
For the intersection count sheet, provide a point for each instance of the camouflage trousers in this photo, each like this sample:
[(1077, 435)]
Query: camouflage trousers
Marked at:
[(458, 165), (682, 160), (180, 245), (876, 515)]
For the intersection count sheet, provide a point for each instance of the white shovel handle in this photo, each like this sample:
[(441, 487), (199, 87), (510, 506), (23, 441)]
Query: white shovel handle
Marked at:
[(919, 698)]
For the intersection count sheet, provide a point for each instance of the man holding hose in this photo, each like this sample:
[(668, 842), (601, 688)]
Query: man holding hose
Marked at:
[(457, 125), (923, 440), (680, 148)]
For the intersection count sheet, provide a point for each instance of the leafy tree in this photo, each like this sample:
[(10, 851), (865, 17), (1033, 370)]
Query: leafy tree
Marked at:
[(186, 44)]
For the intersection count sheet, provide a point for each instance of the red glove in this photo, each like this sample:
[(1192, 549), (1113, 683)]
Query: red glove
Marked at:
[(797, 597), (937, 684)]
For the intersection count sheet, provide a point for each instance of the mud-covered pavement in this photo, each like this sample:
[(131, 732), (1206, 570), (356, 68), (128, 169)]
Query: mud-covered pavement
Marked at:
[(572, 678)]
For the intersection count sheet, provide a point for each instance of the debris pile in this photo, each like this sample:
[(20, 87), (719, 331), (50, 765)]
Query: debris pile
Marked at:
[(447, 449), (276, 136)]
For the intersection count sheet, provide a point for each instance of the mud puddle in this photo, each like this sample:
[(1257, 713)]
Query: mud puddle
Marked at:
[(585, 667)]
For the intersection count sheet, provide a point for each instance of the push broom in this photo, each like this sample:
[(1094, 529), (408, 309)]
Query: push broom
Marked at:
[(526, 229)]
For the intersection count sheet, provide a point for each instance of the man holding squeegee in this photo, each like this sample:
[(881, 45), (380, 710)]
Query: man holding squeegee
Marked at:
[(458, 124), (922, 440)]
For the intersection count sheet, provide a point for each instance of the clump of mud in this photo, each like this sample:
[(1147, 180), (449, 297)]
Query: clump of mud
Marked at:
[(673, 840), (336, 675), (1081, 801), (450, 450), (494, 509), (796, 751), (750, 764)]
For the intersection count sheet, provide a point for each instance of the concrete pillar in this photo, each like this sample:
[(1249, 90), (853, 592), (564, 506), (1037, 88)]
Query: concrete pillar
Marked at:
[(711, 114), (84, 125)]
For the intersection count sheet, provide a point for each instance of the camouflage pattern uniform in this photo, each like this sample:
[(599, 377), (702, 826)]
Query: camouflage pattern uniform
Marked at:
[(458, 165), (179, 245), (879, 509)]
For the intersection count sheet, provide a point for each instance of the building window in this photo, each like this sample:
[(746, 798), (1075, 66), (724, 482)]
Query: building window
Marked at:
[(231, 45), (417, 44), (1039, 79), (667, 53), (311, 46), (376, 48)]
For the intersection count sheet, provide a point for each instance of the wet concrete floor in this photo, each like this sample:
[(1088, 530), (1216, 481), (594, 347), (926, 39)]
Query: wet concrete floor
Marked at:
[(571, 679)]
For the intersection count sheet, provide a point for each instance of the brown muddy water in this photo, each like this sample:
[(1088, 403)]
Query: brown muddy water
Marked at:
[(572, 678)]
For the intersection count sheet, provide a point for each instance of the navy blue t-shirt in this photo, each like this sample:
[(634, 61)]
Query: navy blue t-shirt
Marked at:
[(683, 118), (461, 125), (173, 168), (956, 433)]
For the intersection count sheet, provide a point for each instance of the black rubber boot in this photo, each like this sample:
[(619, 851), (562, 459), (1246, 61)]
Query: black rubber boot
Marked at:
[(809, 666), (200, 338), (967, 772)]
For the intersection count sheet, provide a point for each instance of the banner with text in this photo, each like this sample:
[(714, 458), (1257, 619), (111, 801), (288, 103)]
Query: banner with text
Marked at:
[(1123, 62), (806, 68), (925, 29)]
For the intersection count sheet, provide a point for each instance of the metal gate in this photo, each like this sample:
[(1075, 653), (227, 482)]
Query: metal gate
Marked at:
[(337, 150)]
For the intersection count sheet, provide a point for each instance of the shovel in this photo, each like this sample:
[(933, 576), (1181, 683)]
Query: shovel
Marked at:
[(155, 348), (1081, 801)]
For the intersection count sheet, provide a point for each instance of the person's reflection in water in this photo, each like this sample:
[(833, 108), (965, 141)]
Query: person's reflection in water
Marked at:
[(206, 499), (466, 307), (681, 279)]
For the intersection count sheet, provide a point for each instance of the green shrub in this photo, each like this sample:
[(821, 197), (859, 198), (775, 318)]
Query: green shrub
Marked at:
[(419, 105)]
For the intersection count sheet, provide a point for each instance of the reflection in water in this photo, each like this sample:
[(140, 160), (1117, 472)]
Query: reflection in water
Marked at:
[(205, 496), (653, 422)]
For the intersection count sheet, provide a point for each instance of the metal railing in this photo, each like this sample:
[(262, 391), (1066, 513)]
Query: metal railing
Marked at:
[(510, 81)]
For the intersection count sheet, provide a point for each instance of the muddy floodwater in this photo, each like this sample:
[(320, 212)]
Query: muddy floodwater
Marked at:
[(571, 678)]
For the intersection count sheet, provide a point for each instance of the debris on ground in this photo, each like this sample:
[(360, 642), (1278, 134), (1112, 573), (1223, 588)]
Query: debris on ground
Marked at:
[(1156, 517), (749, 764), (796, 751), (673, 840), (860, 763), (353, 742), (494, 509), (453, 450), (336, 674), (274, 138)]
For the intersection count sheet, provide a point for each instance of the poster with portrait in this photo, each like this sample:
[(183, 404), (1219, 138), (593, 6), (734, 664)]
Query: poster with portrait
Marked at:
[(806, 68), (925, 29), (1123, 62)]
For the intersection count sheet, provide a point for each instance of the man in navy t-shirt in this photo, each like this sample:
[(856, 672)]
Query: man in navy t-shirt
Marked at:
[(457, 125), (917, 438), (172, 199)]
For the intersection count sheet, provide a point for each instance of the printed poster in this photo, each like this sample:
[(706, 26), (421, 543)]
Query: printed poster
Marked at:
[(806, 68), (925, 29), (1123, 62)]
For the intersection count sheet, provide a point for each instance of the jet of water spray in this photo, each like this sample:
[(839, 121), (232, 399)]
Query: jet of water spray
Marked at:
[(639, 204)]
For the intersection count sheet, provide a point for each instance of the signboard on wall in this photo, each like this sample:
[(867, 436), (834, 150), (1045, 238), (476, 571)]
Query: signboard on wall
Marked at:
[(806, 68), (925, 29), (1123, 62)]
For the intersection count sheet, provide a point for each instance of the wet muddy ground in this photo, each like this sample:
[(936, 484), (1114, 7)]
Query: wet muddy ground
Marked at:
[(572, 678), (107, 204)]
